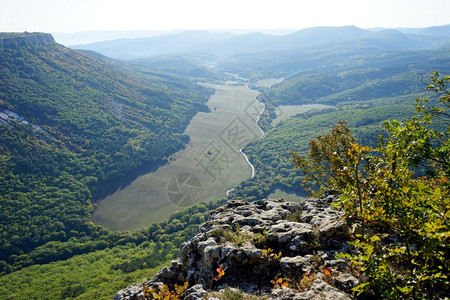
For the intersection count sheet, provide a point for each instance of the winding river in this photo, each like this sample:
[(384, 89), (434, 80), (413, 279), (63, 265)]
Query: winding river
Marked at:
[(227, 192)]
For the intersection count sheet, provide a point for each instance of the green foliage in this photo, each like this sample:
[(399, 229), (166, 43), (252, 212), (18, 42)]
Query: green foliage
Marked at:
[(269, 255), (87, 276), (349, 86), (333, 160), (97, 267), (326, 60), (269, 114), (79, 124), (403, 254), (179, 65), (437, 112), (271, 155)]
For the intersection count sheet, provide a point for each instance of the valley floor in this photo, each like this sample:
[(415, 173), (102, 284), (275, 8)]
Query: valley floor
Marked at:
[(212, 164)]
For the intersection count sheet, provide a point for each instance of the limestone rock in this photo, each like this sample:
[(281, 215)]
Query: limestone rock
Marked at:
[(234, 237), (322, 290), (295, 266), (345, 281), (194, 293), (133, 292)]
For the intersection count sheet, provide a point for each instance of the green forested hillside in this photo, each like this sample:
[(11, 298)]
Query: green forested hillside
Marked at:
[(97, 266), (367, 85), (181, 65), (362, 98), (271, 155), (331, 58), (93, 275), (69, 122), (91, 106)]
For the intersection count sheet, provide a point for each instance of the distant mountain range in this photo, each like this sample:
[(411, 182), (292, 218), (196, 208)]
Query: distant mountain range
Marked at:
[(87, 37), (228, 44)]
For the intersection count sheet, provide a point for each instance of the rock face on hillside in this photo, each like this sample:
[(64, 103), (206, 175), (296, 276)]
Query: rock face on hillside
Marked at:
[(246, 240), (20, 39)]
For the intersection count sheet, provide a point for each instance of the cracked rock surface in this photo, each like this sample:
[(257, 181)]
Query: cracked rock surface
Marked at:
[(246, 239)]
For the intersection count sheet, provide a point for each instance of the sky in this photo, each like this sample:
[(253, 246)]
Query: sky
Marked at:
[(71, 16)]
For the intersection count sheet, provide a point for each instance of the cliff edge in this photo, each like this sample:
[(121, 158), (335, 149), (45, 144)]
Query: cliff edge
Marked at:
[(8, 39), (271, 248)]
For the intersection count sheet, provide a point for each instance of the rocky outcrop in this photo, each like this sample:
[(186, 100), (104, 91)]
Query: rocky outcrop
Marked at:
[(24, 38), (259, 242)]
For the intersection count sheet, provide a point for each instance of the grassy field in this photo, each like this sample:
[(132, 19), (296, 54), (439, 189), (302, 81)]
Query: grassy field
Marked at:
[(210, 165), (286, 111)]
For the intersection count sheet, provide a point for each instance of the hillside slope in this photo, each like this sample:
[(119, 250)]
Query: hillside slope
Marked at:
[(68, 123)]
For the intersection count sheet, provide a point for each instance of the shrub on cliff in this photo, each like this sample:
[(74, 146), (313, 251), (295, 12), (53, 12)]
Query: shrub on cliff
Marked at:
[(397, 194)]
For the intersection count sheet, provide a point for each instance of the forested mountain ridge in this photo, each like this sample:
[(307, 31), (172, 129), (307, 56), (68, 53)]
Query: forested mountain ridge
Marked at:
[(364, 85), (68, 122)]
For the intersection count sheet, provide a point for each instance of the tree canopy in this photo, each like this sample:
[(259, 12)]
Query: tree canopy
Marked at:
[(398, 195)]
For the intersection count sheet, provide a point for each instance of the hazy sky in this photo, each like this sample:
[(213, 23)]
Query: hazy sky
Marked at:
[(83, 15)]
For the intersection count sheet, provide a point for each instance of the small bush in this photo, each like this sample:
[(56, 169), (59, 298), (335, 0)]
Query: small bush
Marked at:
[(295, 215)]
